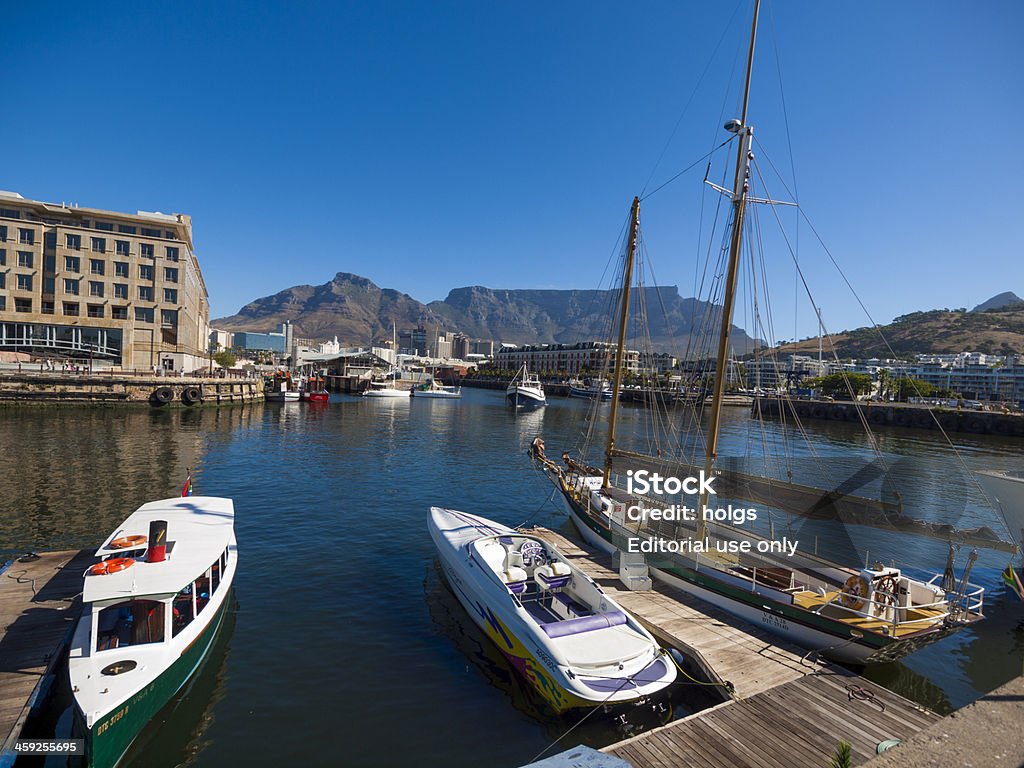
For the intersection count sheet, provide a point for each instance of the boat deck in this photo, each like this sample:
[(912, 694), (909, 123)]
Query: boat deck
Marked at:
[(785, 712), (39, 603)]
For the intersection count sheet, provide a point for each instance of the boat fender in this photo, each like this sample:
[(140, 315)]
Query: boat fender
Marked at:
[(163, 395), (191, 395), (127, 541), (854, 591), (113, 565)]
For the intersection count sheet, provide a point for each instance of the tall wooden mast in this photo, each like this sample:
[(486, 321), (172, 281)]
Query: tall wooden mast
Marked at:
[(741, 186), (620, 350)]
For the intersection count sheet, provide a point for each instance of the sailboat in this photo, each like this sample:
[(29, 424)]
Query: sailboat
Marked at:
[(388, 388), (852, 614)]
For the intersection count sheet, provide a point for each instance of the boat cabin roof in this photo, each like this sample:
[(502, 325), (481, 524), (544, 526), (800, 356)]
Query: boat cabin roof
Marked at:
[(199, 528)]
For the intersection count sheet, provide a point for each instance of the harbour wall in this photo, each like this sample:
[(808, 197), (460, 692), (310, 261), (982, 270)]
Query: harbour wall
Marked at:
[(896, 415), (110, 388)]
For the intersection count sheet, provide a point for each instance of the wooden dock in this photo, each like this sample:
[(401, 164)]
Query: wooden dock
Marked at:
[(785, 711), (40, 599)]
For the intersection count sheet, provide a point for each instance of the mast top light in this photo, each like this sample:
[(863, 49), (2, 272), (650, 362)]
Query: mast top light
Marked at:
[(733, 126)]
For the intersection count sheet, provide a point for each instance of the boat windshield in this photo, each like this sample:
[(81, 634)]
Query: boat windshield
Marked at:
[(133, 622)]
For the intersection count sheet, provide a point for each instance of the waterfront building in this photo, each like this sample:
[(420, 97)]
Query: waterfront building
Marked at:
[(220, 339), (84, 283), (279, 342), (413, 341), (573, 359)]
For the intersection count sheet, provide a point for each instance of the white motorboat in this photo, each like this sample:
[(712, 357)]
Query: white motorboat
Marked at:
[(385, 389), (525, 389), (151, 609), (439, 391), (571, 641), (599, 389)]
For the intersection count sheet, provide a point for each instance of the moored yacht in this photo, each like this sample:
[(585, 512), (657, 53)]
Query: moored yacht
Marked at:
[(525, 389), (151, 609), (573, 643)]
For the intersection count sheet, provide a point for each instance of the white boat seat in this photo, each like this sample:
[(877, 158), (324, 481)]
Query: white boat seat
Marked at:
[(515, 579), (553, 576)]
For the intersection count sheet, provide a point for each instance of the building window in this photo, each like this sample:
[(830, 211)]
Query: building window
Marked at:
[(121, 247), (106, 226), (3, 234), (25, 259), (169, 235), (10, 213), (120, 290), (120, 269), (23, 305), (47, 308), (145, 293), (95, 289), (97, 266), (146, 272), (147, 232), (3, 257), (70, 286), (170, 295), (171, 274), (48, 284), (24, 282), (171, 252), (3, 303), (95, 310), (3, 279), (144, 314), (74, 242), (27, 236), (71, 308), (99, 244), (146, 250), (169, 318), (72, 264), (119, 313), (126, 229)]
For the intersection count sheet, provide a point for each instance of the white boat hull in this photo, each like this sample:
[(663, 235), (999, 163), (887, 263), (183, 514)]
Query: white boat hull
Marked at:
[(386, 393)]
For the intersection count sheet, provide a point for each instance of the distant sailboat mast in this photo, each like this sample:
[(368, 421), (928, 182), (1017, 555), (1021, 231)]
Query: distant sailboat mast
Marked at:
[(741, 187)]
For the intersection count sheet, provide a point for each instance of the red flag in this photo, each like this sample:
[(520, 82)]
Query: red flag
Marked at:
[(186, 490)]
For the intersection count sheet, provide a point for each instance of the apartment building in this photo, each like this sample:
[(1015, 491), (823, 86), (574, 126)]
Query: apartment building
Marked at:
[(82, 283), (589, 356)]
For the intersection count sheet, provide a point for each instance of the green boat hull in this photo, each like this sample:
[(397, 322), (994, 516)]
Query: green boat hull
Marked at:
[(110, 737)]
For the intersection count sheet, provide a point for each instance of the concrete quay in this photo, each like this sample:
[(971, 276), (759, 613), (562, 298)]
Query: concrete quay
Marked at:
[(116, 387)]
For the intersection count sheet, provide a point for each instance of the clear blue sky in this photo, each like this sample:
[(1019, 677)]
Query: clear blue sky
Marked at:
[(429, 145)]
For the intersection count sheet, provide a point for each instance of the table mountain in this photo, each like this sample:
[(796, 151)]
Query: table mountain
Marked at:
[(999, 301), (357, 311)]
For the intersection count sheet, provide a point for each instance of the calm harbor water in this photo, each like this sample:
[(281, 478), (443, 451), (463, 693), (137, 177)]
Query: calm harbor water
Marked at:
[(347, 648)]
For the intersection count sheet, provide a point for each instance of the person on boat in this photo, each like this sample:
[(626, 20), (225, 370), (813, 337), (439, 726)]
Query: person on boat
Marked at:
[(537, 448)]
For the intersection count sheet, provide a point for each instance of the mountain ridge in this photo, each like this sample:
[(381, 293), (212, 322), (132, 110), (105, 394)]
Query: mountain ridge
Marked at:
[(357, 311)]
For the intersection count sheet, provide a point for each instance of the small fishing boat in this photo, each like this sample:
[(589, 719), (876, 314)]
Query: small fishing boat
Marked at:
[(281, 388), (572, 642), (313, 390), (598, 389), (525, 389), (150, 611)]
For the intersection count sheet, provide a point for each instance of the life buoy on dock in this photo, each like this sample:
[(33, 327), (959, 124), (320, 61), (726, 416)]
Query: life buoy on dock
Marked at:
[(113, 565), (128, 541), (163, 395), (854, 591), (191, 395)]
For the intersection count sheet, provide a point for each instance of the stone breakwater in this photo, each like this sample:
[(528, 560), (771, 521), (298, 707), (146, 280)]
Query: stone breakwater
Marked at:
[(114, 388)]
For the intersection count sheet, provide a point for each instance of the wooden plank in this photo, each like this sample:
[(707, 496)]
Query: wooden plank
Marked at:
[(39, 603)]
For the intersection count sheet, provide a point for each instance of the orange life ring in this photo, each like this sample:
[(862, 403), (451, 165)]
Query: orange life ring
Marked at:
[(855, 590), (127, 541), (113, 565)]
